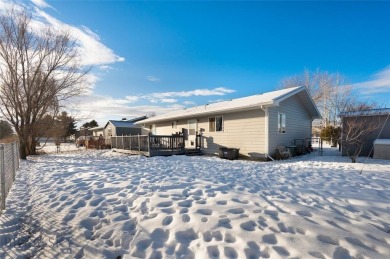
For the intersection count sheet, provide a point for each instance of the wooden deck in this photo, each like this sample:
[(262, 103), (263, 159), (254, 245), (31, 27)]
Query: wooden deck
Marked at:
[(153, 145)]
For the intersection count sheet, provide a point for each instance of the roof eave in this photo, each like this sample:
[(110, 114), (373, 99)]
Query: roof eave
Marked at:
[(249, 107)]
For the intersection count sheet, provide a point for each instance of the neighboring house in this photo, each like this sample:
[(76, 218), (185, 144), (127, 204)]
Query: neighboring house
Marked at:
[(379, 116), (255, 124), (83, 132), (97, 131), (123, 128)]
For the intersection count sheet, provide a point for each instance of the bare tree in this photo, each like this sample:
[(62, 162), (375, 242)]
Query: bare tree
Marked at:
[(330, 92), (357, 126), (39, 71)]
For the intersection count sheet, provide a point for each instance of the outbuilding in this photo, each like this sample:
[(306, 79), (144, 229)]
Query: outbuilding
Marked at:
[(382, 149)]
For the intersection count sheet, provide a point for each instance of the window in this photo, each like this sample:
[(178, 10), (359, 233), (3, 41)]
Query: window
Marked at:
[(281, 123), (216, 124), (174, 124)]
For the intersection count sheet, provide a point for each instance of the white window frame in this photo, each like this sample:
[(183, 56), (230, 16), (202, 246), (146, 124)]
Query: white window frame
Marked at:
[(215, 124), (282, 123)]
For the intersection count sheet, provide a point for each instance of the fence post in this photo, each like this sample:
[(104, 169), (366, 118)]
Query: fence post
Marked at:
[(13, 161), (2, 176)]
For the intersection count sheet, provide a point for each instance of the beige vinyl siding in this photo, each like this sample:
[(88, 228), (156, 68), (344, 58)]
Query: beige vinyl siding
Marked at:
[(298, 123), (244, 130)]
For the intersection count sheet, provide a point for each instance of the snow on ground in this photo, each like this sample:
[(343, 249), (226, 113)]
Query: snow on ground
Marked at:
[(100, 204)]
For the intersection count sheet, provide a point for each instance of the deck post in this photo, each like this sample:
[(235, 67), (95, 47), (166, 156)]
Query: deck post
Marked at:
[(149, 144), (130, 142), (196, 140), (139, 144)]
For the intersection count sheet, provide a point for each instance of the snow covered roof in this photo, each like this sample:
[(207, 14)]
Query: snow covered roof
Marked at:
[(383, 111), (96, 128), (265, 99), (137, 119), (121, 124)]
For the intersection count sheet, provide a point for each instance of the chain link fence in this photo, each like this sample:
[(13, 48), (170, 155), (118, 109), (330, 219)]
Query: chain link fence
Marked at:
[(9, 164)]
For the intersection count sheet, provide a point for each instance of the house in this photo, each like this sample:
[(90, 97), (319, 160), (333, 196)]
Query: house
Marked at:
[(380, 117), (123, 127), (97, 131), (255, 124)]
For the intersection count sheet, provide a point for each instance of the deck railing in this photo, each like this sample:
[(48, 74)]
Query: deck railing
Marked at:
[(150, 145)]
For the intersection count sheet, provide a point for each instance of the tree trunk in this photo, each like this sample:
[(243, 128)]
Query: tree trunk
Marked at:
[(31, 145), (22, 149)]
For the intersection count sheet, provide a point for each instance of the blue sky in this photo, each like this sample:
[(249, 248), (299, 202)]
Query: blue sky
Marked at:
[(158, 56)]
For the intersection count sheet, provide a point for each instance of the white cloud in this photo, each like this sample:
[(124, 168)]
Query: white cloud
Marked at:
[(104, 108), (379, 84), (168, 100), (196, 92), (167, 97), (105, 68), (132, 99), (92, 51), (41, 3), (153, 79), (189, 103), (216, 101)]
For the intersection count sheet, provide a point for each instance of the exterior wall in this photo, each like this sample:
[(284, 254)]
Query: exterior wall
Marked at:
[(368, 145), (298, 123), (127, 131), (97, 133), (111, 130), (244, 130), (382, 151)]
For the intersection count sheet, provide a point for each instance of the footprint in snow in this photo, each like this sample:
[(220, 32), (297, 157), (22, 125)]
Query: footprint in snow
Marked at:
[(304, 213), (213, 251), (236, 211), (229, 238), (167, 220), (317, 255), (281, 251), (253, 250), (230, 252), (270, 239), (222, 202), (328, 240), (249, 225), (204, 211)]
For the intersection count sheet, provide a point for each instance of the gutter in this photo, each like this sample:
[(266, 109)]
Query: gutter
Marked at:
[(206, 113)]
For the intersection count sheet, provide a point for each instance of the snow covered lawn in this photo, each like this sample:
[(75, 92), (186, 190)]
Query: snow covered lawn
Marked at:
[(99, 204)]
